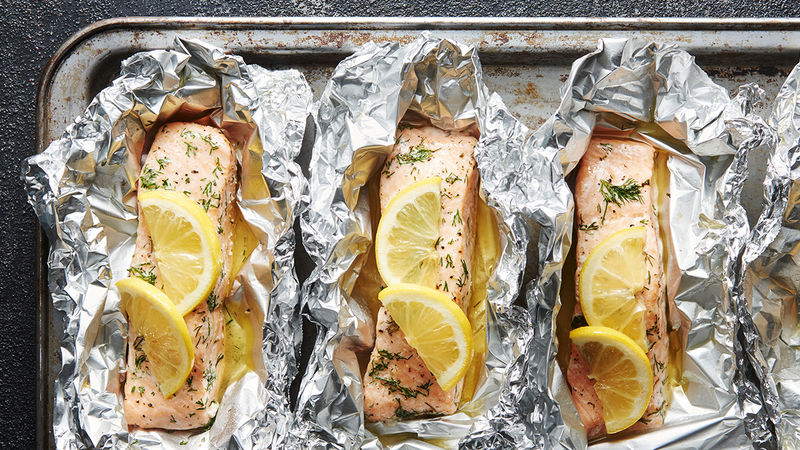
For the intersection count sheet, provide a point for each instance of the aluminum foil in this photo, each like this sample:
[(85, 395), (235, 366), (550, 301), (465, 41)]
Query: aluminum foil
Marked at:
[(359, 110), (770, 282), (657, 94), (82, 188)]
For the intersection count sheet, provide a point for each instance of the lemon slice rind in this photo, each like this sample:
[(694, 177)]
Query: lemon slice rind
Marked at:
[(186, 246), (609, 279), (433, 325), (167, 344), (405, 242), (614, 360)]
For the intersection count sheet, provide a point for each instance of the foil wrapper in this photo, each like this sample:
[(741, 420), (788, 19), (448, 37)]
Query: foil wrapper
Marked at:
[(654, 93), (770, 273), (359, 110), (82, 188)]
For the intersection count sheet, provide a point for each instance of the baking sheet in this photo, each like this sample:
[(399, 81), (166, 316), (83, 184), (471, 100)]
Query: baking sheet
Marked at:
[(524, 60)]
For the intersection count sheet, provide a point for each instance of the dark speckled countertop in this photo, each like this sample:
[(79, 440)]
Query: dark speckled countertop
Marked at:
[(31, 32)]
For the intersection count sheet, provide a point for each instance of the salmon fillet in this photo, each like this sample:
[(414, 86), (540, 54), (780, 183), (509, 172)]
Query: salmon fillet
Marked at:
[(397, 384), (617, 161), (198, 161)]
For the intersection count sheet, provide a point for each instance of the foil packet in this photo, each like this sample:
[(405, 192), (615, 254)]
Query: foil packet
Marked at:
[(440, 82), (82, 187), (770, 273), (657, 94)]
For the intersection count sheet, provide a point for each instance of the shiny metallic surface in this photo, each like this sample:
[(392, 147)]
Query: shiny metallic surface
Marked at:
[(82, 187), (359, 110), (707, 137), (770, 283), (525, 61)]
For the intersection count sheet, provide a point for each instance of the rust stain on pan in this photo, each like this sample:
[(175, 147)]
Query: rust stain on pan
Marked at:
[(341, 39), (533, 38), (501, 38), (495, 71), (528, 91)]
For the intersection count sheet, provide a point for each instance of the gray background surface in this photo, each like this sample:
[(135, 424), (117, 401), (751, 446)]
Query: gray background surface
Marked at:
[(31, 31)]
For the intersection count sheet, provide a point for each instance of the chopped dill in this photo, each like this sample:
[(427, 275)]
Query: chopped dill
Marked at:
[(452, 178), (425, 387), (148, 276), (217, 168), (212, 301), (188, 134), (207, 139), (147, 180), (210, 375), (191, 150), (382, 363), (416, 153), (162, 162), (395, 386), (208, 189), (140, 359), (401, 413), (207, 202), (457, 218), (628, 191)]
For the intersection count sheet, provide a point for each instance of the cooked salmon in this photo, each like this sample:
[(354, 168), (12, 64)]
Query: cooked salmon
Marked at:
[(617, 161), (200, 162), (397, 384)]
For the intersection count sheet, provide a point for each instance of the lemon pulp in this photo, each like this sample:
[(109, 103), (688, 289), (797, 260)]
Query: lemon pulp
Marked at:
[(612, 275), (185, 244), (167, 345), (624, 378), (433, 325), (405, 243)]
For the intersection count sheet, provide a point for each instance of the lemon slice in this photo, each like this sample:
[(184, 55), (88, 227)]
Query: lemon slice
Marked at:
[(167, 345), (435, 326), (405, 243), (185, 245), (624, 379), (609, 280)]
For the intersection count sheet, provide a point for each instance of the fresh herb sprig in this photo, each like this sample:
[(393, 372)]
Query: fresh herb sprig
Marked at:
[(416, 153), (148, 276), (629, 191)]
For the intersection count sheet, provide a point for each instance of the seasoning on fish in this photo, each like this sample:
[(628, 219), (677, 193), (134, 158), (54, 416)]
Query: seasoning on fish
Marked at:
[(198, 161), (613, 192), (397, 384)]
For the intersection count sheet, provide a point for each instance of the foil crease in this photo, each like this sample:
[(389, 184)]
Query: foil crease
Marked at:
[(81, 187), (358, 113), (629, 85), (769, 274)]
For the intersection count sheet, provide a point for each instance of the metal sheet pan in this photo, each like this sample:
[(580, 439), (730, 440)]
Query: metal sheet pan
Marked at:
[(525, 61)]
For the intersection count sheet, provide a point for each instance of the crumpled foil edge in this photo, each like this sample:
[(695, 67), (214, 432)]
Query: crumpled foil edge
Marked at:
[(614, 79), (767, 255), (59, 183), (336, 226)]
